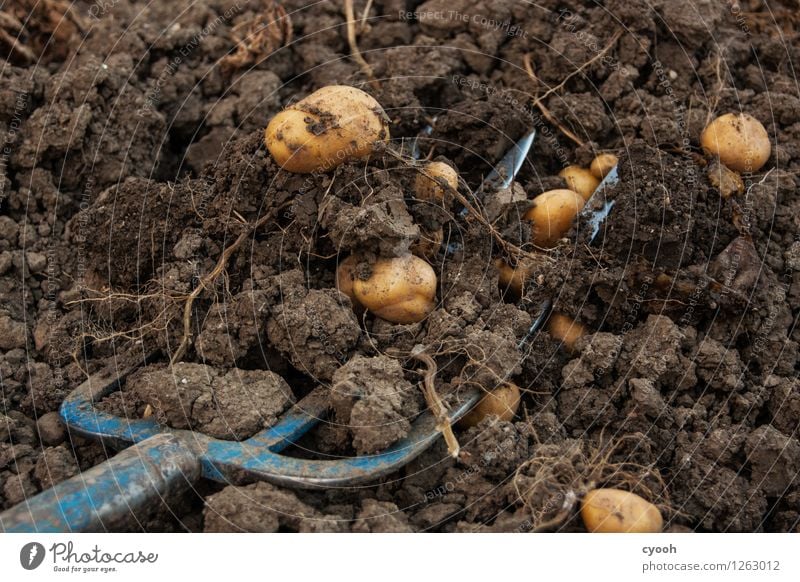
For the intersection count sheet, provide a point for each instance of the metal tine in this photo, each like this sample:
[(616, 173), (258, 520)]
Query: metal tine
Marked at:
[(503, 174), (596, 217)]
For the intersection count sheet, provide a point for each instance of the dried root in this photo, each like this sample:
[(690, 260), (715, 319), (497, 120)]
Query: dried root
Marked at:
[(552, 482)]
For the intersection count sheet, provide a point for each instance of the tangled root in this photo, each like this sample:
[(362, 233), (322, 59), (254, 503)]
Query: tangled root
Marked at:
[(552, 482)]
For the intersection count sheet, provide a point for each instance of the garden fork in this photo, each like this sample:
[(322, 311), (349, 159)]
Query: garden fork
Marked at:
[(161, 463)]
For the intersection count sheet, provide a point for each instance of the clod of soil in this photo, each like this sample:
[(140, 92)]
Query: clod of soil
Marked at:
[(232, 405)]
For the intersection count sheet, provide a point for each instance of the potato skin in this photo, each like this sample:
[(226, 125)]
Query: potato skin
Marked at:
[(738, 140), (501, 402), (331, 126), (345, 276), (399, 290), (552, 214), (602, 164), (580, 180), (617, 511), (429, 190), (566, 330), (512, 279)]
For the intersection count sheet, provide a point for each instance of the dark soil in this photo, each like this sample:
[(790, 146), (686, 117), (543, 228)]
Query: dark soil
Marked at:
[(133, 156)]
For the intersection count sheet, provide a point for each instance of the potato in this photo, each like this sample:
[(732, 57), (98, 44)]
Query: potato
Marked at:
[(399, 290), (428, 243), (580, 180), (429, 189), (329, 127), (512, 279), (501, 402), (345, 276), (738, 140), (566, 330), (617, 511), (602, 165), (552, 214)]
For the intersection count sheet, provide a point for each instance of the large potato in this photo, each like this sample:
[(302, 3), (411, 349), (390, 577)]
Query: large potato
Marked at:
[(332, 125), (501, 402), (552, 214), (740, 141), (617, 511), (399, 290), (580, 180)]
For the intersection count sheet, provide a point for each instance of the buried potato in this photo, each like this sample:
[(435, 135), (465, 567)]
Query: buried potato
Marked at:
[(602, 165), (501, 402), (399, 290), (552, 214), (427, 186), (331, 126), (580, 180)]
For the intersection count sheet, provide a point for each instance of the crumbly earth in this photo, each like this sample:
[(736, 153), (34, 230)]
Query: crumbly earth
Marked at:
[(133, 174)]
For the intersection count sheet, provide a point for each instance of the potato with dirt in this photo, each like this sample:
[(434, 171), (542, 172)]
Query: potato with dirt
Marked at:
[(399, 290), (333, 125), (552, 214)]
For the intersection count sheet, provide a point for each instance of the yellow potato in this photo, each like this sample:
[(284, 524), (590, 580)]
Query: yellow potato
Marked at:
[(400, 290), (566, 330), (429, 189), (602, 165), (329, 127), (580, 180), (617, 511), (501, 402), (428, 243), (512, 279), (739, 140), (552, 214)]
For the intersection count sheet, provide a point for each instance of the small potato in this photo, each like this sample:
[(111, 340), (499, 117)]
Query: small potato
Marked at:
[(400, 290), (552, 214), (329, 127), (739, 140), (602, 165), (566, 330), (429, 243), (580, 180), (617, 511), (501, 402), (429, 189), (512, 279)]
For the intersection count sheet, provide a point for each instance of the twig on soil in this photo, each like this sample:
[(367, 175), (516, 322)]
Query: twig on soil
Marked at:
[(353, 42), (435, 404), (538, 101), (208, 279), (548, 115)]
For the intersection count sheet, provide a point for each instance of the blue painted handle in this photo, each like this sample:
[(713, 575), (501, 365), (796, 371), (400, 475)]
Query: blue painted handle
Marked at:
[(109, 496)]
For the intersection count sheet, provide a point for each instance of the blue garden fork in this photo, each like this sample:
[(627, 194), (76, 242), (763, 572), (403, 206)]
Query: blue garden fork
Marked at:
[(161, 463)]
